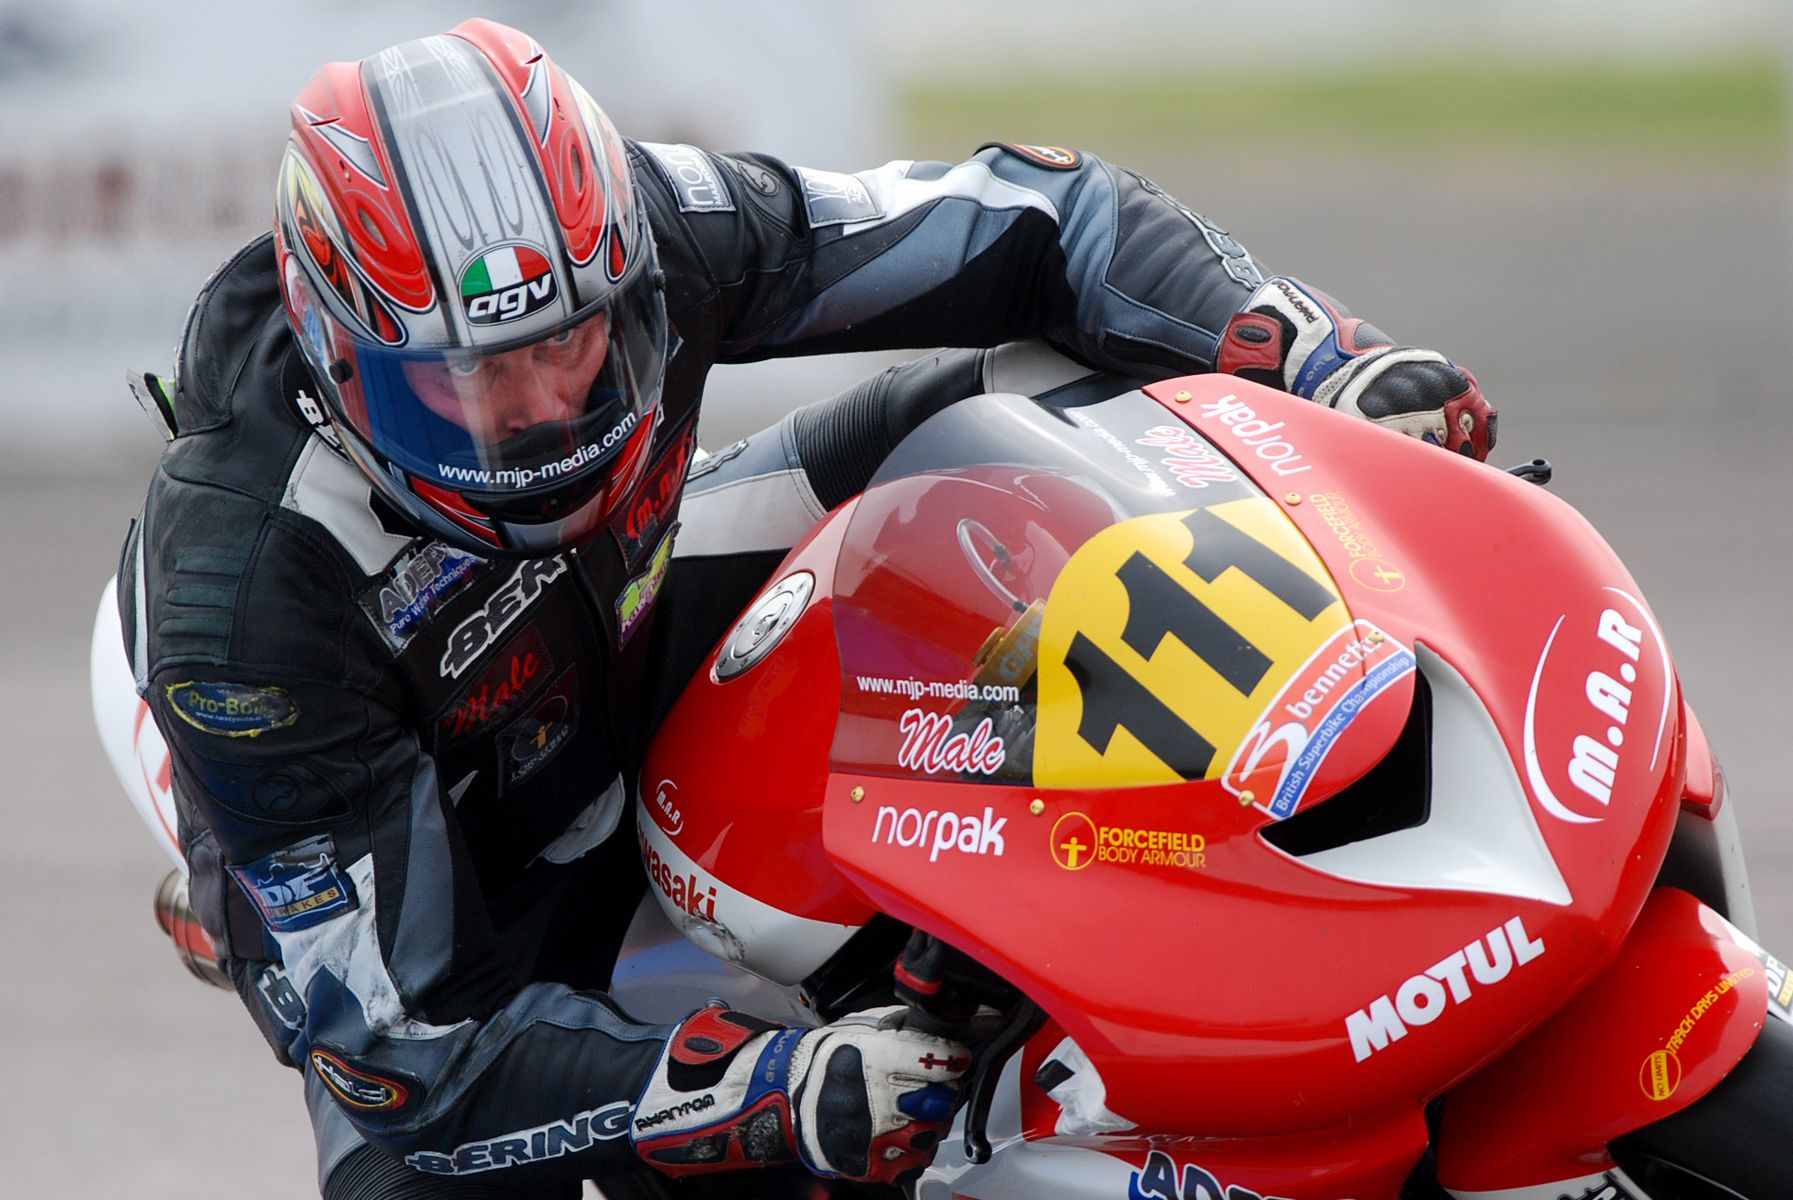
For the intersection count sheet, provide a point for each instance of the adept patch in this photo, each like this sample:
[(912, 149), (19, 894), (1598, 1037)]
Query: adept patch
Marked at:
[(231, 709), (638, 598), (297, 887), (404, 598), (506, 282)]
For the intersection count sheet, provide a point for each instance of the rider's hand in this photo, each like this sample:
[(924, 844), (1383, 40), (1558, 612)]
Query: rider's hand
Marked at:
[(862, 1099), (1296, 338)]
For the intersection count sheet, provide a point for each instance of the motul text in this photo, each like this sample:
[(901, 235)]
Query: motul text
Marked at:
[(1423, 998)]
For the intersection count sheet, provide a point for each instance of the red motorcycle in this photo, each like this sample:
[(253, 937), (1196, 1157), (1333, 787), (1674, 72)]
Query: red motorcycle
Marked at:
[(1291, 809), (1282, 807)]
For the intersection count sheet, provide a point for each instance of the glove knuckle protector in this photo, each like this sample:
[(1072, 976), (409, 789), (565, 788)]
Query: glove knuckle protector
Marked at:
[(1295, 338), (861, 1099)]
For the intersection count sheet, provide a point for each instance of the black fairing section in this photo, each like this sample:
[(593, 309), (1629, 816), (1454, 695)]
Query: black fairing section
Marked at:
[(1394, 794), (1732, 1142)]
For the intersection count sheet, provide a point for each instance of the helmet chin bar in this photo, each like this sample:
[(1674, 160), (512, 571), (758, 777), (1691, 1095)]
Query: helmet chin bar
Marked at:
[(453, 518)]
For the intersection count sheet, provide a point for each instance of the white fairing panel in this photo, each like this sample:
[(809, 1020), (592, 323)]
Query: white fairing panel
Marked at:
[(133, 744), (730, 924), (1019, 1170), (661, 978), (1481, 835), (1608, 1185), (1082, 1098)]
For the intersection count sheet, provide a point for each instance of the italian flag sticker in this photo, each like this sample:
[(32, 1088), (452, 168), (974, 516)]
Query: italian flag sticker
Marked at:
[(506, 283)]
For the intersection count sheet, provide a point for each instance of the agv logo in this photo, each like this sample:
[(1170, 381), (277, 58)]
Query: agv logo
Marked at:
[(505, 284)]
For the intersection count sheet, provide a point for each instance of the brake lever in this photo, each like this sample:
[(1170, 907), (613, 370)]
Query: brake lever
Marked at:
[(1536, 471), (942, 987), (980, 1089)]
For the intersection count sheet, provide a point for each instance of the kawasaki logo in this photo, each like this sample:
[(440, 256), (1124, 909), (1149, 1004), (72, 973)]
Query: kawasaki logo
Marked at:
[(506, 283)]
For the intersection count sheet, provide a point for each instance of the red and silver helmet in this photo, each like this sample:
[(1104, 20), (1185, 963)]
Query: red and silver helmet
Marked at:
[(470, 277)]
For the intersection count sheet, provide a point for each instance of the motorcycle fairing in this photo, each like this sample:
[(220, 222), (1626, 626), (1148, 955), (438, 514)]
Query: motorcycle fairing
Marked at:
[(1212, 941), (1667, 1019), (730, 799), (134, 745), (1368, 1159), (1611, 1184), (1161, 923), (1706, 855)]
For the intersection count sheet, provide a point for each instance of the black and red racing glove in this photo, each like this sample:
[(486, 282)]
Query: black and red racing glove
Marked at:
[(1296, 338), (863, 1098)]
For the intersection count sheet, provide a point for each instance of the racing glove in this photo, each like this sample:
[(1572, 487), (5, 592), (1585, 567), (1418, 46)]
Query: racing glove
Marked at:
[(1296, 338), (862, 1099)]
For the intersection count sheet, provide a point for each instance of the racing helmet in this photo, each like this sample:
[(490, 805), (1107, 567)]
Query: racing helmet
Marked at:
[(469, 276)]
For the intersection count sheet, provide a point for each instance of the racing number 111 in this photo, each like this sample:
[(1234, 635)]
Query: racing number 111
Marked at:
[(1160, 608)]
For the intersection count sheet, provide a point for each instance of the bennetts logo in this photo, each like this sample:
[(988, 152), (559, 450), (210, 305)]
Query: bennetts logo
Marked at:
[(505, 284)]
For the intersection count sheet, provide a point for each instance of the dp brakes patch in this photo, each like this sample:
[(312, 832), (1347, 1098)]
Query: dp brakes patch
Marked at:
[(297, 887)]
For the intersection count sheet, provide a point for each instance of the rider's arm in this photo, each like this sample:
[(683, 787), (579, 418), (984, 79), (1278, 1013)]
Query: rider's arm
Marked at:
[(1018, 242)]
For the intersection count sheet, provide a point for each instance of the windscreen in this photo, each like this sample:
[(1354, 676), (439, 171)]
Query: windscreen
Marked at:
[(1075, 597)]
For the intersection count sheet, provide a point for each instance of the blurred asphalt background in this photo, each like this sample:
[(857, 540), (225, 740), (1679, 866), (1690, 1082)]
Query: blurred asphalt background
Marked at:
[(1591, 208)]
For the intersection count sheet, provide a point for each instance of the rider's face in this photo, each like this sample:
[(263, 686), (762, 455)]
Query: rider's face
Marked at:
[(497, 397)]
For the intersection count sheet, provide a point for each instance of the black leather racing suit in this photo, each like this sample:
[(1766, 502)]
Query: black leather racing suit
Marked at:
[(401, 770)]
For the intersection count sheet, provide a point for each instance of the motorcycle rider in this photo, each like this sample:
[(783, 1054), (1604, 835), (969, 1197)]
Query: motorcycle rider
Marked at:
[(406, 597)]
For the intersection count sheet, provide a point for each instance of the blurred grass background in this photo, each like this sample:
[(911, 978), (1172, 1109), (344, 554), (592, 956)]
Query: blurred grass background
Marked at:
[(1731, 112)]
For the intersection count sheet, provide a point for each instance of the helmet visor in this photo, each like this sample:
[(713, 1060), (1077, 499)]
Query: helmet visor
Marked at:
[(524, 425)]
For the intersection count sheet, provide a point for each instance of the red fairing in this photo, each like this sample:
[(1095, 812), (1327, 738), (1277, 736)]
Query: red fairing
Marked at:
[(1371, 1159), (1705, 792), (332, 123), (732, 777), (1086, 717), (1257, 972), (1660, 1027)]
